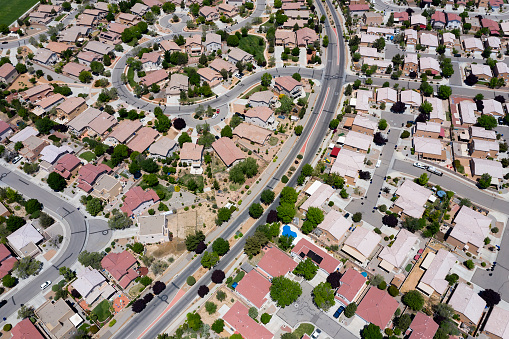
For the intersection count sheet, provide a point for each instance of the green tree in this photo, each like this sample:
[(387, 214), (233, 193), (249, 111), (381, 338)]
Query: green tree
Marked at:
[(426, 107), (9, 281), (356, 217), (26, 267), (92, 259), (487, 121), (413, 299), (444, 92), (218, 325), (286, 212), (298, 130), (94, 206), (284, 291), (96, 67), (314, 215), (223, 215), (371, 332), (423, 179), (210, 307), (221, 246), (192, 240), (254, 243), (44, 125), (306, 269), (267, 196), (209, 259), (32, 206), (26, 312), (323, 296), (119, 220), (183, 138), (56, 182), (382, 124), (67, 273), (307, 170), (227, 132), (469, 264), (85, 77), (452, 278), (255, 210), (191, 280), (194, 321), (266, 79), (350, 310), (426, 89), (485, 181), (288, 195)]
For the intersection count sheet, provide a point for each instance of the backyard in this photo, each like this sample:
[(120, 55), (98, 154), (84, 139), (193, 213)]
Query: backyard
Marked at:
[(102, 311), (13, 9), (251, 44), (88, 156)]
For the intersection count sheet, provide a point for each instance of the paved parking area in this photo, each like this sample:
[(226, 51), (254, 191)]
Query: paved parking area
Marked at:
[(304, 310)]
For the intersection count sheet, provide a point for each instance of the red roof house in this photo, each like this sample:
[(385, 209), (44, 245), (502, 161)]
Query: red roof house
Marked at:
[(358, 8), (276, 263), (89, 173), (66, 164), (492, 25), (238, 318), (304, 249), (254, 287), (423, 327), (351, 284), (136, 199), (120, 266), (25, 330), (400, 16), (377, 307), (7, 261)]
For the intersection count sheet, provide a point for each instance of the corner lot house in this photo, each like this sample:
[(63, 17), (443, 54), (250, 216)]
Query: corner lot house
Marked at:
[(92, 285), (121, 267), (411, 199), (264, 98), (305, 249), (58, 318), (497, 326), (467, 304), (8, 73), (238, 318), (261, 116), (469, 231), (254, 288), (24, 241), (351, 286), (276, 263)]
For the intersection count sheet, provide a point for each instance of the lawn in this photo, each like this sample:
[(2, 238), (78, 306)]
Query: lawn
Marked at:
[(102, 310), (60, 17), (258, 88), (237, 279), (88, 156), (159, 188), (251, 44), (304, 328), (13, 9), (130, 76)]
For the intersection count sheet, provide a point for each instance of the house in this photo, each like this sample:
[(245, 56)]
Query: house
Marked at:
[(387, 95), (261, 116), (154, 77), (494, 43), (49, 9), (482, 134), (361, 243), (364, 124), (213, 42), (25, 329), (493, 168), (474, 22), (369, 52), (58, 318), (492, 25), (164, 147), (229, 153), (453, 21), (429, 130), (262, 99), (209, 13), (483, 148), (411, 98), (493, 107), (348, 164), (320, 195), (367, 40), (127, 19), (301, 14), (219, 64), (24, 134), (381, 65), (334, 225), (152, 3), (24, 241), (252, 133), (153, 229), (38, 92), (92, 285), (254, 288), (467, 110), (410, 36), (501, 70), (377, 307), (400, 17), (357, 142), (411, 63), (74, 69), (418, 20), (288, 86), (136, 200), (143, 139), (362, 101), (237, 317), (151, 61), (32, 147), (497, 326), (5, 130), (448, 40), (504, 26), (306, 37), (191, 154), (98, 47), (469, 231), (93, 120), (40, 18), (286, 38), (88, 175), (118, 28), (351, 286), (210, 76), (422, 327), (276, 263), (291, 6), (86, 58), (467, 304), (51, 153), (395, 256), (8, 73), (473, 45), (358, 8), (170, 46), (428, 64), (74, 33), (7, 260), (236, 55), (305, 249), (178, 83), (107, 188), (44, 105), (86, 20), (290, 23), (139, 9), (428, 148), (227, 10), (373, 19), (66, 165), (437, 266), (438, 113), (193, 45), (121, 266), (438, 20), (125, 130), (72, 106), (411, 199)]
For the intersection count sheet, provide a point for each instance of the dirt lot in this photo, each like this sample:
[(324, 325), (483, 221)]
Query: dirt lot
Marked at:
[(210, 318), (21, 82)]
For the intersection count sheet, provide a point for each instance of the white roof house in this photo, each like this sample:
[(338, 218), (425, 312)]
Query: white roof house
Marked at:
[(397, 254), (335, 224), (358, 140), (467, 302), (24, 134), (348, 163), (473, 44), (410, 97), (24, 239), (91, 284), (438, 111), (51, 153), (411, 58), (321, 195), (428, 39), (361, 243), (481, 70), (493, 42), (471, 227), (362, 100), (434, 277), (493, 107), (497, 323), (481, 132), (448, 38), (386, 94), (429, 126), (427, 63), (467, 109), (412, 198), (427, 145), (485, 146), (493, 168), (418, 19), (365, 122), (383, 63), (368, 52)]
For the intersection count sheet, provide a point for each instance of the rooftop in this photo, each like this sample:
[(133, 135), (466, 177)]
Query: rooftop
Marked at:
[(351, 283), (377, 307), (335, 224), (412, 198), (363, 240), (348, 163), (467, 302), (254, 287), (305, 248), (423, 327), (227, 150), (238, 317), (137, 196), (276, 262), (497, 323), (438, 269), (396, 254)]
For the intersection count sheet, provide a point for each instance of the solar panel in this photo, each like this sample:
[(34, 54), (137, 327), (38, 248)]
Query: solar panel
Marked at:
[(315, 257), (302, 255)]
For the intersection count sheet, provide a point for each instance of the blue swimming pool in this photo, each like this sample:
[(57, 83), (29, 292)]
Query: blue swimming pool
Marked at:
[(364, 274), (287, 231)]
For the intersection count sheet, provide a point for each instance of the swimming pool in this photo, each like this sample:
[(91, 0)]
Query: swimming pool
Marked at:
[(287, 231), (364, 274)]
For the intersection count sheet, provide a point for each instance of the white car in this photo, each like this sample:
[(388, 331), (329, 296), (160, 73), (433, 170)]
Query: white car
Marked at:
[(378, 163), (420, 165), (316, 333), (46, 284)]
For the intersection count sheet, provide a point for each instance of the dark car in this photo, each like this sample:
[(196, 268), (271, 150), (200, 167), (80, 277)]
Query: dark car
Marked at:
[(2, 303), (347, 215), (339, 311)]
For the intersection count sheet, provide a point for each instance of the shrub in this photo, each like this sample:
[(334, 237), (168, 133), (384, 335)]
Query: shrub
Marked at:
[(210, 307), (382, 285), (469, 264), (191, 280), (350, 310), (393, 291), (203, 291), (357, 217), (7, 327), (284, 179), (265, 318)]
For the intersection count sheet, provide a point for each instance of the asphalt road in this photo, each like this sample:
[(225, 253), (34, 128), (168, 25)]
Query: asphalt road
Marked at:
[(312, 136), (73, 243)]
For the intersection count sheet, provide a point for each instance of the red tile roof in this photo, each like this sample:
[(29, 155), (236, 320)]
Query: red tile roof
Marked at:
[(303, 249), (351, 283), (66, 164), (118, 264), (439, 17), (89, 173), (135, 197), (227, 151), (377, 307), (143, 139), (453, 17), (254, 287), (402, 16), (276, 263), (237, 316), (7, 261), (423, 327), (355, 8), (25, 330), (126, 279), (4, 126)]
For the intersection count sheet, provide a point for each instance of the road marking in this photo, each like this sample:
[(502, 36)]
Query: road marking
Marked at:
[(303, 149), (337, 39)]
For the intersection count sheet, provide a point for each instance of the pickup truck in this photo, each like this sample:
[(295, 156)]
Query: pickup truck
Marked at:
[(434, 170)]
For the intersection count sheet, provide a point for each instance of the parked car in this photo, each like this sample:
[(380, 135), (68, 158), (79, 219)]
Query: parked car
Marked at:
[(419, 165), (347, 215), (46, 284), (339, 311), (434, 170), (316, 333)]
